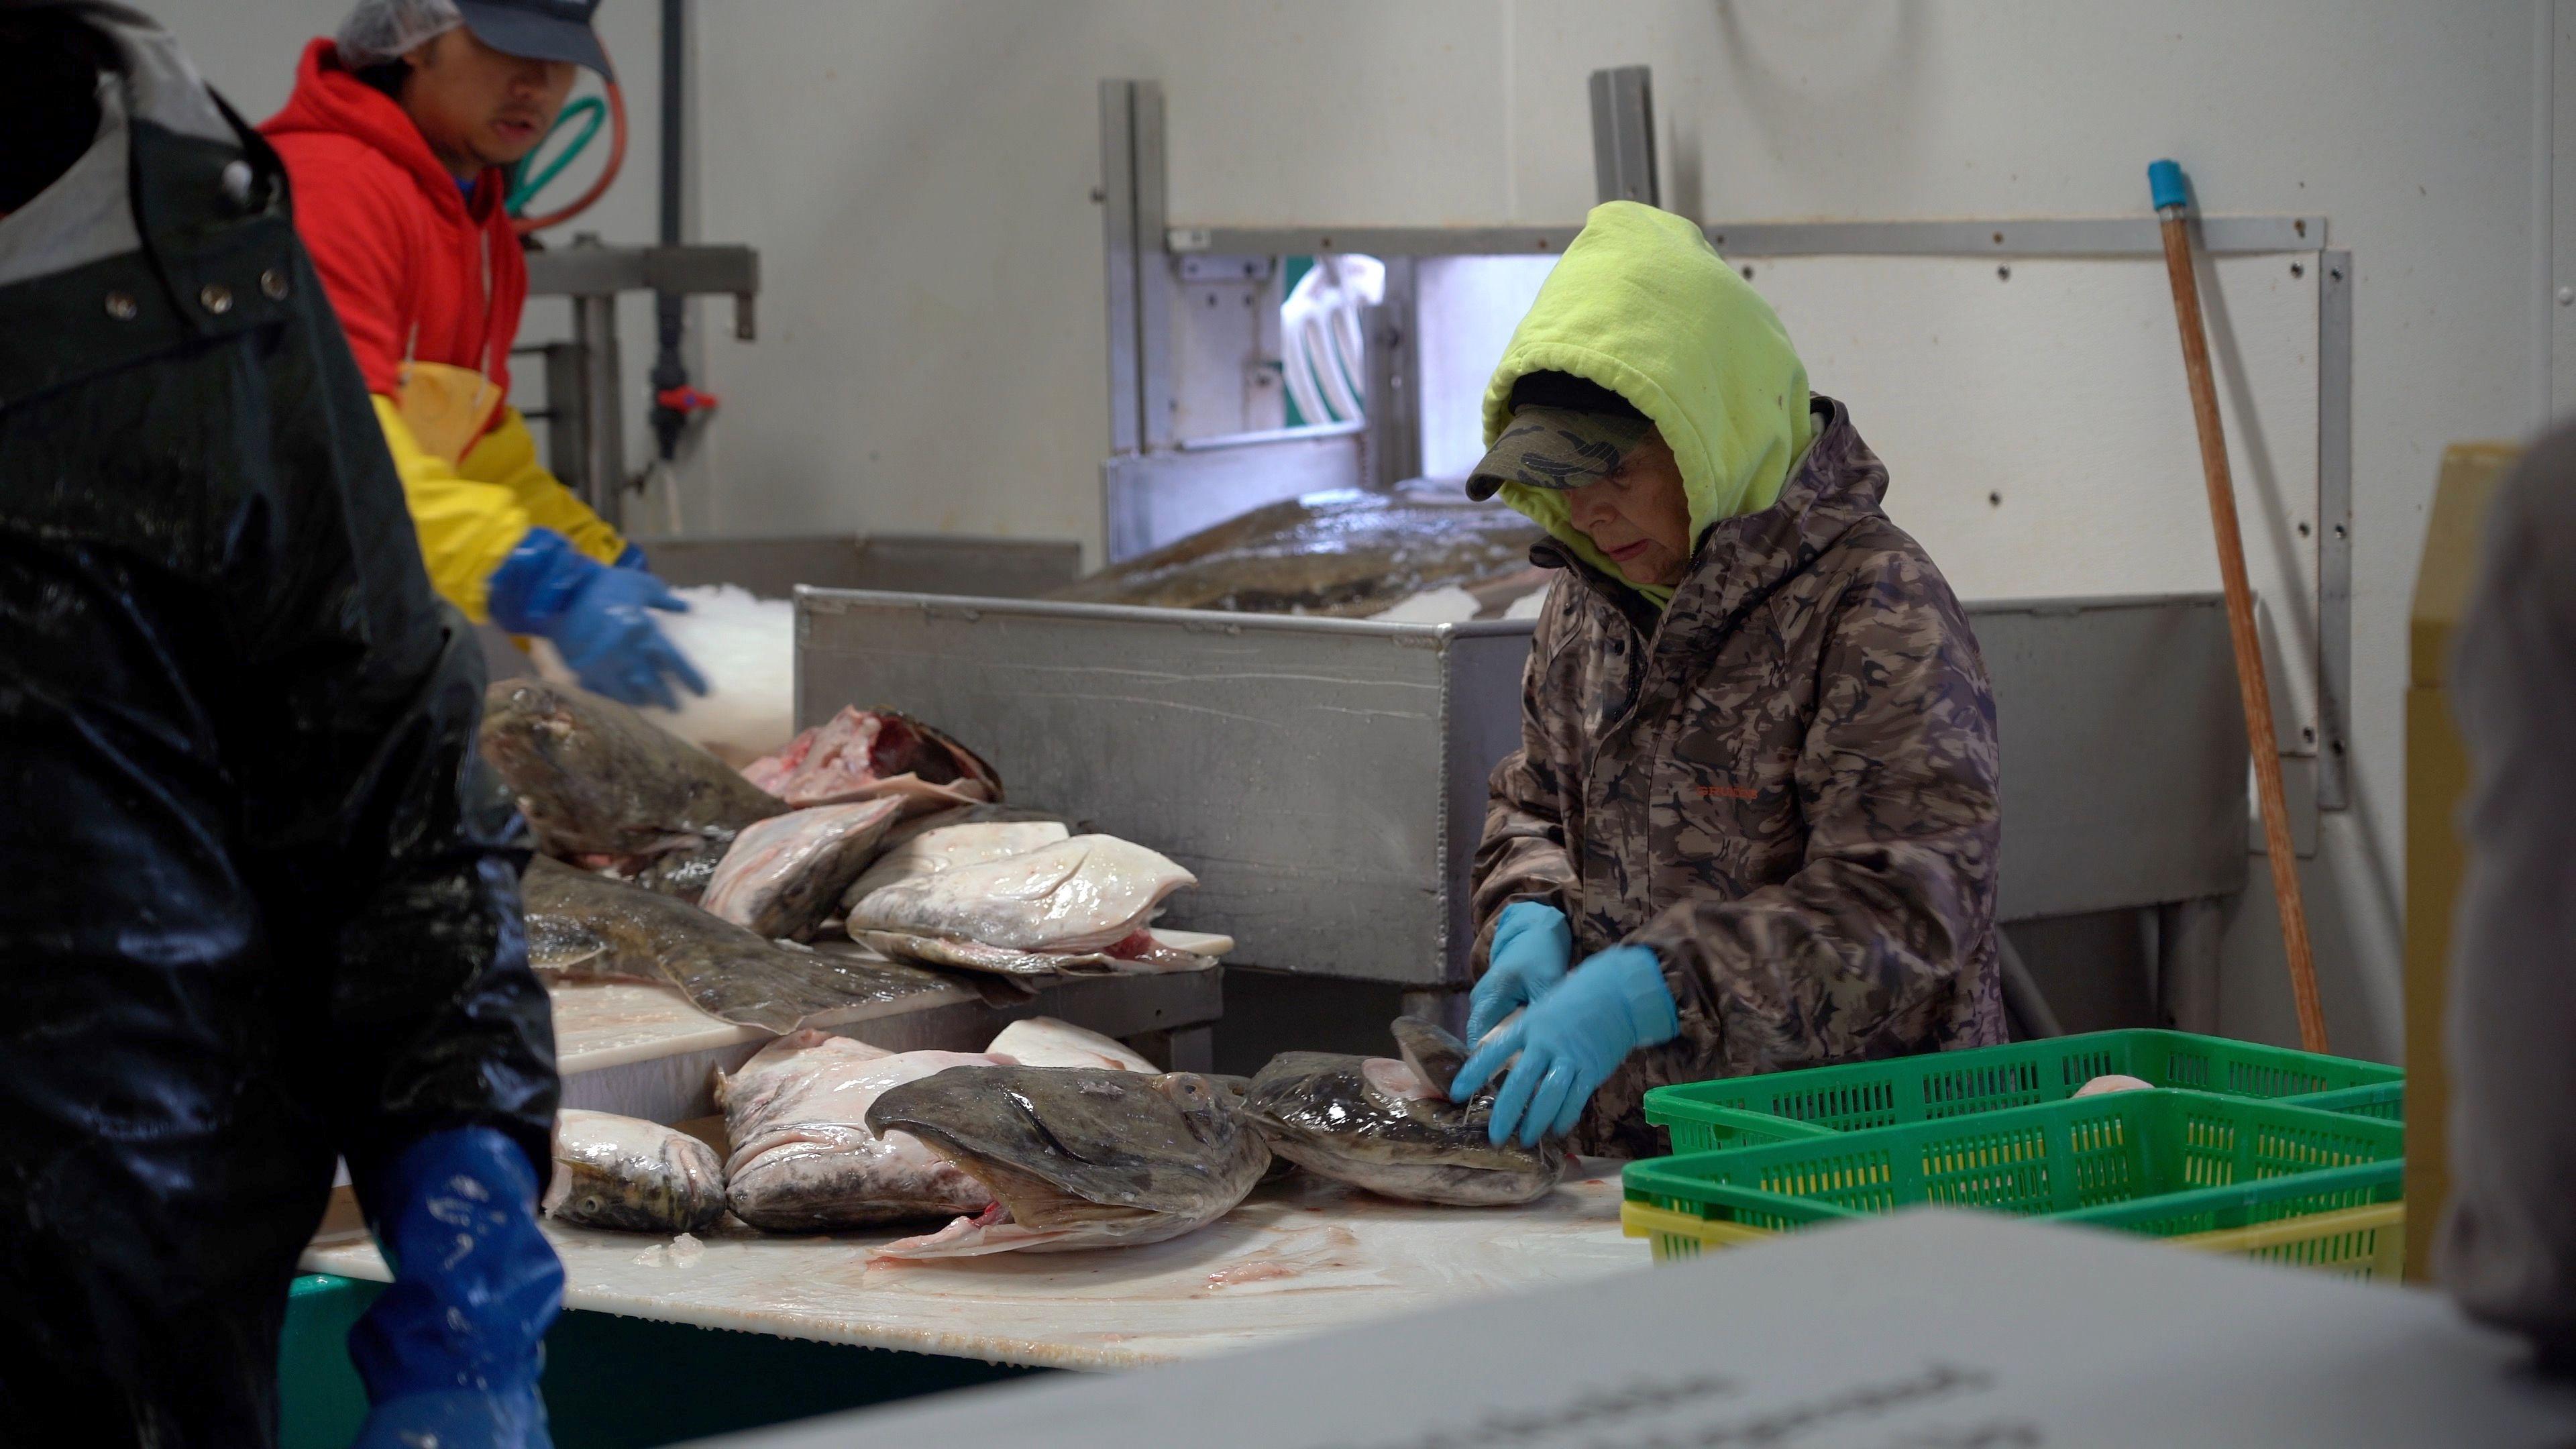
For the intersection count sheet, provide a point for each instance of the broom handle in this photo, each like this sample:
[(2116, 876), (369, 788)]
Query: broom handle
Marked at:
[(2253, 686)]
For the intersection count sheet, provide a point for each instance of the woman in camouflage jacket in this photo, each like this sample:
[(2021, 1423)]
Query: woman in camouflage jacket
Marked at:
[(1757, 794)]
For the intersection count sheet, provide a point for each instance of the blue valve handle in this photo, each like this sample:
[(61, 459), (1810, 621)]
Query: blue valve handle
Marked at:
[(2165, 183)]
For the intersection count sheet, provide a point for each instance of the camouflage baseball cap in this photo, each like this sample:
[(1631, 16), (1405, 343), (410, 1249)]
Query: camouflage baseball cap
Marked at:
[(1556, 447)]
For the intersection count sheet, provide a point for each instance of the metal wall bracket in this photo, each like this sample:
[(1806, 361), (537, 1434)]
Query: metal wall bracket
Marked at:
[(1392, 406), (2053, 236), (589, 269), (1623, 135), (585, 392), (2334, 517), (1137, 285)]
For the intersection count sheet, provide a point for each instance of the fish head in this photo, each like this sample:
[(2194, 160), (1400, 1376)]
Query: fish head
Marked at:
[(1085, 1146), (559, 947), (1383, 1124), (906, 746), (621, 1172), (1209, 1109), (1434, 1055), (530, 736)]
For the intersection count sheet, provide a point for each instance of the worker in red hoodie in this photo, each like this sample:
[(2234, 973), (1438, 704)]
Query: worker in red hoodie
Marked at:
[(395, 142)]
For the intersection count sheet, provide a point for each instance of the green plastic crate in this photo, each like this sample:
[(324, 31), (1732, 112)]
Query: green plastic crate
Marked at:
[(2385, 1101), (1744, 1111), (2165, 1163)]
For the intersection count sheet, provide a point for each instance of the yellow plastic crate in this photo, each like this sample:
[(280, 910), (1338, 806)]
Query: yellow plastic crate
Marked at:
[(2362, 1242)]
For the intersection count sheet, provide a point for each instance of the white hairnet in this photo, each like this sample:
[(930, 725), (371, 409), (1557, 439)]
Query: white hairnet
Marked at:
[(381, 30)]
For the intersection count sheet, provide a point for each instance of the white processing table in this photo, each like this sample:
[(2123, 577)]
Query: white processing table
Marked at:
[(1299, 1256)]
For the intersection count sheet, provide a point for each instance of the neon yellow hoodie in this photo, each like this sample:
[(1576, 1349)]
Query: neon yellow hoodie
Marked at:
[(1642, 305)]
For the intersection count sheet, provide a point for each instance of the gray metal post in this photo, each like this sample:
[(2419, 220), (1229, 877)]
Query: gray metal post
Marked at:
[(2334, 524), (1392, 448), (1154, 280), (1623, 135), (2187, 974), (1118, 251), (567, 450), (1137, 281), (603, 471)]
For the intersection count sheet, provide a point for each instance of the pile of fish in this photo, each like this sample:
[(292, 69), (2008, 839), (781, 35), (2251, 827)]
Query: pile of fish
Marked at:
[(1051, 1139), (1348, 554), (665, 864), (852, 867), (584, 926)]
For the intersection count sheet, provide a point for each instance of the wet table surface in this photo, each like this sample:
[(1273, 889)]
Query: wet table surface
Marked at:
[(1297, 1257)]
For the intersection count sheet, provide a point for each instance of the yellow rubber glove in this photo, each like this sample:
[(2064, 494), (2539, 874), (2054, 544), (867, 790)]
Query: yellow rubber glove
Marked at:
[(507, 455), (470, 517), (466, 527)]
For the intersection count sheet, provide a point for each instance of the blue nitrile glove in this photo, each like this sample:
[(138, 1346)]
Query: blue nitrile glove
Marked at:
[(1570, 1041), (454, 1345), (598, 617), (460, 1418), (1532, 947), (633, 558)]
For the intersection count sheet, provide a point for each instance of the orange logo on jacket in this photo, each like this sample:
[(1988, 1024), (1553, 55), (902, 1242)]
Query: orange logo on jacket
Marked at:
[(1727, 792)]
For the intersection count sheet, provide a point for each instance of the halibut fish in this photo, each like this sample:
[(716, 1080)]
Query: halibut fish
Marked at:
[(1081, 904), (805, 1158), (585, 926), (596, 779), (1349, 552), (1043, 1041), (947, 847), (783, 875), (1077, 1157), (632, 1175), (1389, 1126)]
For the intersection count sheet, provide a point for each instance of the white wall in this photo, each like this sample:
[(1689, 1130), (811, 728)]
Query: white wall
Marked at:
[(917, 175)]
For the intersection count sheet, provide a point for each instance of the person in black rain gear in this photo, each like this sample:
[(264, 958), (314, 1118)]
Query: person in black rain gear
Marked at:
[(263, 901)]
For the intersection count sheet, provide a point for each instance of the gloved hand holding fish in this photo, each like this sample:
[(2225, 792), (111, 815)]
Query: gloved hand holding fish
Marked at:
[(1390, 1127)]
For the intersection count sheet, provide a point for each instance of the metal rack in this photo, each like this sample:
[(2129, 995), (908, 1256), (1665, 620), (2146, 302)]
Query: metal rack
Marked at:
[(585, 388)]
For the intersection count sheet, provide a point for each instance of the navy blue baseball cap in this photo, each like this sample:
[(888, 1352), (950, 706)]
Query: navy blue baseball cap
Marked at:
[(538, 30)]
